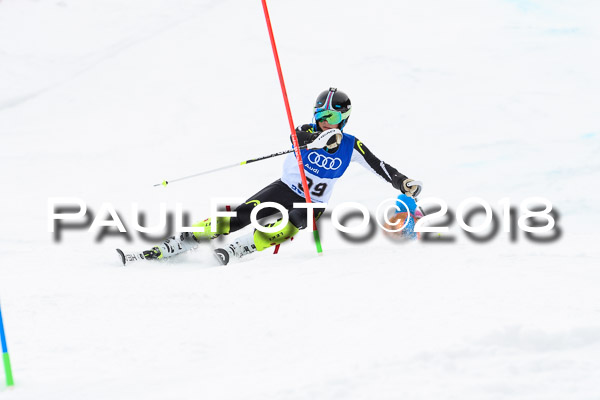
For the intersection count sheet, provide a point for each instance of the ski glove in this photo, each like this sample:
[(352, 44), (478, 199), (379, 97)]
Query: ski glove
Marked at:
[(407, 186), (330, 138)]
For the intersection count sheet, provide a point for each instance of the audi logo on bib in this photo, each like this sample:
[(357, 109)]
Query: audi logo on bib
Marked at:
[(324, 161)]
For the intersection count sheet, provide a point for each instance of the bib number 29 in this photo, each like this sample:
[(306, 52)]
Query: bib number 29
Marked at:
[(319, 188)]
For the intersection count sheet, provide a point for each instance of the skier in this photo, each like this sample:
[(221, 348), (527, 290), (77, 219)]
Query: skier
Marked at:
[(328, 154)]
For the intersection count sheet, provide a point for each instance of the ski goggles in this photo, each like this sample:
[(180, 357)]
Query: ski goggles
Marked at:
[(331, 116)]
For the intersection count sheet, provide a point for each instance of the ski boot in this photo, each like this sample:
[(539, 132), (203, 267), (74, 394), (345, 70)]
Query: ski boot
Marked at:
[(241, 247), (172, 246)]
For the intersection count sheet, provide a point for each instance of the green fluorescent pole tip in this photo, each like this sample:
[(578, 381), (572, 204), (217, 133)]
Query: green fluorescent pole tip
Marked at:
[(165, 183), (318, 242), (8, 370)]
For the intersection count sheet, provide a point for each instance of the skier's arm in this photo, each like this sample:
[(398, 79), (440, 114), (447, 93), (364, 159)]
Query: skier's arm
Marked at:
[(367, 159), (362, 155)]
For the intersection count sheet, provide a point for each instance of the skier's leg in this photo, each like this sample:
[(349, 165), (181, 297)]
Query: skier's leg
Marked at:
[(276, 192), (264, 240), (297, 222), (258, 240)]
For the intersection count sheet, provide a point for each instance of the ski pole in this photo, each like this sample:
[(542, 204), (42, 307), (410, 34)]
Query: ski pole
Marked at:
[(5, 357), (280, 153)]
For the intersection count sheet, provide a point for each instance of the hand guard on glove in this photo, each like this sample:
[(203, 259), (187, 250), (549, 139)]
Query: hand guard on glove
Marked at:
[(407, 186), (330, 138)]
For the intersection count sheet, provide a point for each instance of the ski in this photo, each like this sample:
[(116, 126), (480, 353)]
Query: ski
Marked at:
[(127, 258)]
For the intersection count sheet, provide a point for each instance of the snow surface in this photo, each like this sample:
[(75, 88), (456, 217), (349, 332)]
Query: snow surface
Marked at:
[(102, 99)]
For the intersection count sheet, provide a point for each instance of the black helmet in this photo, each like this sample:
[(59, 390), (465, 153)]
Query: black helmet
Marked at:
[(333, 106)]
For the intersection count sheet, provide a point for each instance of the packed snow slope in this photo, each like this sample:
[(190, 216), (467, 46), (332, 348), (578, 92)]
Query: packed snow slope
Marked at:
[(99, 100)]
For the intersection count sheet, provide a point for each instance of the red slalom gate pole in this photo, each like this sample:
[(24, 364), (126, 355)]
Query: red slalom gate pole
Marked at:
[(291, 122)]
